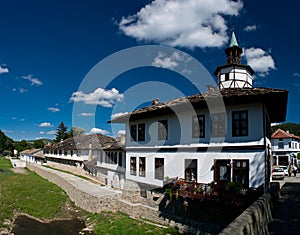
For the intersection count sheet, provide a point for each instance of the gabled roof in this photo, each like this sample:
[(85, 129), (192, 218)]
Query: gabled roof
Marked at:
[(84, 142), (281, 134), (275, 101), (30, 151)]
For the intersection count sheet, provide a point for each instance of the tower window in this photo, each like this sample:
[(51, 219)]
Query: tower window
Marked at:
[(226, 76)]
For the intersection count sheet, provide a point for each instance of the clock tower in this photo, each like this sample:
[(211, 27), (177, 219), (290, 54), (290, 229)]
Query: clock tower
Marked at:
[(234, 74)]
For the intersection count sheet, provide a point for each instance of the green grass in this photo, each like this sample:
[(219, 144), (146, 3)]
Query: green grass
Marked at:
[(120, 223), (28, 193)]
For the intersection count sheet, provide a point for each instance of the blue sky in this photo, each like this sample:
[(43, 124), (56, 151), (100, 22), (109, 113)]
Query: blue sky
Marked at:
[(48, 48)]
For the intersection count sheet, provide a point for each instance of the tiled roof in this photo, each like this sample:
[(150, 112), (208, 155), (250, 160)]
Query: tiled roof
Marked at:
[(30, 151), (281, 134), (275, 101), (83, 142)]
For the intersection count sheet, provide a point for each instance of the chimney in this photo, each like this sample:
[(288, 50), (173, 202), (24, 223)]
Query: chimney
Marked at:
[(155, 101), (211, 88)]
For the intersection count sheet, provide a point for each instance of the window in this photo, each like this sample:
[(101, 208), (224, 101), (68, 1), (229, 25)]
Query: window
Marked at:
[(120, 159), (240, 173), (190, 169), (133, 165), (137, 132), (142, 167), (133, 132), (198, 126), (240, 123), (218, 125), (159, 168), (226, 76), (280, 145), (141, 132), (163, 130), (222, 170)]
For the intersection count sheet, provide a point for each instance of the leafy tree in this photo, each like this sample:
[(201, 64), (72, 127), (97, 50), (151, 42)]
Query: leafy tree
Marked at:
[(22, 145), (6, 143), (61, 132), (75, 131), (38, 144), (293, 128)]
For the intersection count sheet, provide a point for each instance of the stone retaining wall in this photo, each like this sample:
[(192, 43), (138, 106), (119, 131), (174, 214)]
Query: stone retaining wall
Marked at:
[(255, 219), (82, 199)]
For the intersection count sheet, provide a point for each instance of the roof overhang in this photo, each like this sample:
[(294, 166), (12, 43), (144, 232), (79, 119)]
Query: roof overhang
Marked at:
[(275, 101)]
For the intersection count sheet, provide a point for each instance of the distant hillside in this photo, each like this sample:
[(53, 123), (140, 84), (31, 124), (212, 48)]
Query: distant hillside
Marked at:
[(293, 128), (46, 141)]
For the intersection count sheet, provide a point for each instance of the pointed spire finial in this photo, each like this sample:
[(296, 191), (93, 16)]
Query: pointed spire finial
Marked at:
[(233, 41)]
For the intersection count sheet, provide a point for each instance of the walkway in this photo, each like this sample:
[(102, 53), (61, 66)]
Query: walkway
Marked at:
[(286, 218), (79, 183)]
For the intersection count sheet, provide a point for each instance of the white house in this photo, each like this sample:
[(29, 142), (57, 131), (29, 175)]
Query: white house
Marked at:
[(100, 155), (32, 156), (285, 147), (222, 134)]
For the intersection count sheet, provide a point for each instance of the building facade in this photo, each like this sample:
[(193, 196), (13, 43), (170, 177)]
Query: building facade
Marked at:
[(285, 147), (100, 155), (220, 135)]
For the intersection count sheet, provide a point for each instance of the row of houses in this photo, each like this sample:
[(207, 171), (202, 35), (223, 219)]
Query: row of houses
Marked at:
[(223, 134)]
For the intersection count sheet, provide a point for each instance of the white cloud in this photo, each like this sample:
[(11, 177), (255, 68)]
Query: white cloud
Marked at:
[(102, 97), (32, 79), (98, 131), (189, 23), (296, 75), (20, 89), (51, 132), (121, 132), (87, 114), (115, 115), (3, 69), (168, 62), (261, 62), (54, 110), (45, 124), (250, 28)]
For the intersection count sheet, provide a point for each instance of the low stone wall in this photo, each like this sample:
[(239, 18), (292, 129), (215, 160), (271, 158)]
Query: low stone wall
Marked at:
[(255, 219), (82, 199), (113, 203)]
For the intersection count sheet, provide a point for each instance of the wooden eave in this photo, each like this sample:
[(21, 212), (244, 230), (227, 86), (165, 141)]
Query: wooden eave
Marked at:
[(275, 101), (251, 71)]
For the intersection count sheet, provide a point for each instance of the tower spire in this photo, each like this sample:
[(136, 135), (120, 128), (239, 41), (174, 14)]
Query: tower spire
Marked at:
[(234, 74), (233, 41)]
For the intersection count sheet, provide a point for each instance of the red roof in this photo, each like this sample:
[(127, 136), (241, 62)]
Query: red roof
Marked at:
[(281, 134)]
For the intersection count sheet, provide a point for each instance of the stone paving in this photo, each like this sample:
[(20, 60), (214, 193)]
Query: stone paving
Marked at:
[(286, 217)]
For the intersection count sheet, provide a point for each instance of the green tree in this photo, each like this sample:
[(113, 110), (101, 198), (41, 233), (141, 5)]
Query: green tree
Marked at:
[(6, 143), (61, 132), (75, 131), (293, 128), (22, 145), (38, 144)]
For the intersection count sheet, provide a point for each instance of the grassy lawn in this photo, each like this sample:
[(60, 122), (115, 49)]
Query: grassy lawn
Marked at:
[(29, 193), (119, 223)]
